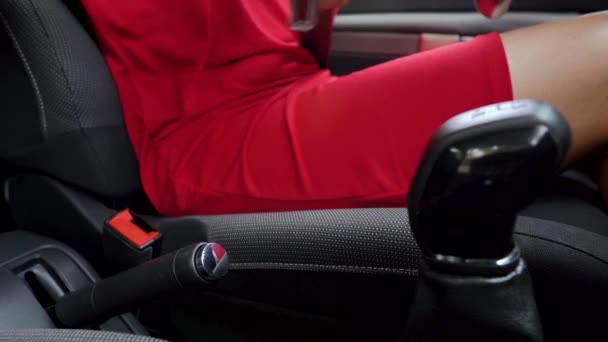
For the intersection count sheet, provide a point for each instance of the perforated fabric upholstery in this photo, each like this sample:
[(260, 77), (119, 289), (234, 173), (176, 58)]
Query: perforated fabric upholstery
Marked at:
[(70, 336), (371, 241), (59, 57), (377, 241), (66, 118)]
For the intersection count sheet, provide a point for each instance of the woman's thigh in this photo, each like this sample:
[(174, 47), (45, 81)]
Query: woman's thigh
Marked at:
[(566, 64), (347, 142), (356, 140)]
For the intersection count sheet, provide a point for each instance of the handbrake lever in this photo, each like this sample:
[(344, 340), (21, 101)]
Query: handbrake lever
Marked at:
[(195, 266)]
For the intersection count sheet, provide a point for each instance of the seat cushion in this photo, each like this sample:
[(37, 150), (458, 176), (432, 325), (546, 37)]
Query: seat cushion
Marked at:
[(70, 336)]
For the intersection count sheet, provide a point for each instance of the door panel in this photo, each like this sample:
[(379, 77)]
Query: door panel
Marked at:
[(371, 32), (363, 40), (470, 23)]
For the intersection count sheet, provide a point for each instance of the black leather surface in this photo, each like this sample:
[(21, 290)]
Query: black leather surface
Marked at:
[(60, 110), (128, 290), (569, 268), (474, 309)]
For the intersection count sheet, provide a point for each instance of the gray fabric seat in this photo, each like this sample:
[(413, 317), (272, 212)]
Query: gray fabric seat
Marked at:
[(70, 336)]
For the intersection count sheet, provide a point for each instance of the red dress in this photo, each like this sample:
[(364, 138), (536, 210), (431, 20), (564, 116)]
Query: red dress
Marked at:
[(227, 113)]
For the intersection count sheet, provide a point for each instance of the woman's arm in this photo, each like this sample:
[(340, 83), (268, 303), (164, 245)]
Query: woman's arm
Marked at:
[(318, 40)]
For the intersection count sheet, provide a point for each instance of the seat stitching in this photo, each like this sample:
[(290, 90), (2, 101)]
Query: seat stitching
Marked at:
[(30, 73), (95, 155), (564, 245), (319, 267)]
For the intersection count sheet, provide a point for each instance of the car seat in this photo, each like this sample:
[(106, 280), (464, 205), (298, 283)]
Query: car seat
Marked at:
[(42, 335), (63, 136)]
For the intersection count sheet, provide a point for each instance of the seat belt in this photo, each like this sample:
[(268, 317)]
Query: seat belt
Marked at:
[(318, 40), (129, 240)]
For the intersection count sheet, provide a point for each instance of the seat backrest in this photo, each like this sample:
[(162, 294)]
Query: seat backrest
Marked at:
[(60, 113)]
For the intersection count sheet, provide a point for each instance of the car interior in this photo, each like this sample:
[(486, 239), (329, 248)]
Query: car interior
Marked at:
[(82, 248)]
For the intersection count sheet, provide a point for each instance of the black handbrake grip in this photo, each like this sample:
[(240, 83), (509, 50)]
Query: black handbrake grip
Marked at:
[(195, 266)]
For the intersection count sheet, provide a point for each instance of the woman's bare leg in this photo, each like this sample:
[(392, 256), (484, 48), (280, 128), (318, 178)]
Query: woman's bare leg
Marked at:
[(566, 64)]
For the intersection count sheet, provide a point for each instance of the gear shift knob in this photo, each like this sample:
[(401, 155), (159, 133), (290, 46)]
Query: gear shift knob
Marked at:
[(479, 170)]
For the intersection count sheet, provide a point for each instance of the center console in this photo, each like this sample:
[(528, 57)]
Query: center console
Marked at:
[(34, 273)]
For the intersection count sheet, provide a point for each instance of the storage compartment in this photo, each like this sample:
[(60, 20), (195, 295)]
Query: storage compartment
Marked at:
[(34, 273)]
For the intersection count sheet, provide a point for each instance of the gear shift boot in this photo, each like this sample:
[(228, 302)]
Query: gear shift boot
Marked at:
[(451, 307)]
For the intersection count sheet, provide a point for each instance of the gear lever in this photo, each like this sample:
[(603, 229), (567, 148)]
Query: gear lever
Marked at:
[(480, 169)]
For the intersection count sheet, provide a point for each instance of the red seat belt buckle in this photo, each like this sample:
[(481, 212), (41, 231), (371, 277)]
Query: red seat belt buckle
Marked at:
[(133, 229)]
